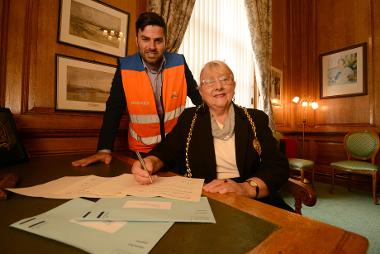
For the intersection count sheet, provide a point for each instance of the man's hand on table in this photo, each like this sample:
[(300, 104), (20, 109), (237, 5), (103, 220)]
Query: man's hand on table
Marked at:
[(104, 157)]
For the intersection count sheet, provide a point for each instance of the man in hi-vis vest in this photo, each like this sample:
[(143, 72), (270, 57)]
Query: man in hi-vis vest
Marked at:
[(152, 85)]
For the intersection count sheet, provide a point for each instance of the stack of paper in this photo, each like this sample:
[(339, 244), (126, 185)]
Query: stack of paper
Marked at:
[(116, 225), (94, 237)]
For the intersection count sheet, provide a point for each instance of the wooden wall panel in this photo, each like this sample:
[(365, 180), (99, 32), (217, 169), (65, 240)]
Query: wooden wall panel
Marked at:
[(294, 19), (341, 24), (278, 56), (45, 47), (375, 14), (312, 28), (30, 28), (17, 17), (4, 11)]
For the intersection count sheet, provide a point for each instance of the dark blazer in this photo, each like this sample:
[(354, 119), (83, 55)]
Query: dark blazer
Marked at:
[(271, 167)]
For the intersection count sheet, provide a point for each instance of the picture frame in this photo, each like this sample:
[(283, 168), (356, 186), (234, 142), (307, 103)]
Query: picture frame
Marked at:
[(12, 150), (94, 25), (276, 86), (82, 85), (343, 72)]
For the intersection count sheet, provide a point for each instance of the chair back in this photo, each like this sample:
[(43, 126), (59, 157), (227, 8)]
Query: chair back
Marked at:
[(362, 145)]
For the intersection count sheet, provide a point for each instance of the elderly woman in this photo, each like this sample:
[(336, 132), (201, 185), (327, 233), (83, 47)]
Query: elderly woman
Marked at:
[(231, 147)]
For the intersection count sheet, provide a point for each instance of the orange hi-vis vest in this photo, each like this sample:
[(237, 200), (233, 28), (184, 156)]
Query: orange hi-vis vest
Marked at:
[(144, 125)]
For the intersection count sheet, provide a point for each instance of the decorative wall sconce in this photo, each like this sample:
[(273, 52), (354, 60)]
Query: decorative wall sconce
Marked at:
[(305, 103)]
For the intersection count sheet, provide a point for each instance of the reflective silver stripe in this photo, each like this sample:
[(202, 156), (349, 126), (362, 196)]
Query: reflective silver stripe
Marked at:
[(147, 140), (174, 113), (145, 119), (148, 119)]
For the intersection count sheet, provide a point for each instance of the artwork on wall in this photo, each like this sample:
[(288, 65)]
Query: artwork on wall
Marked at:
[(82, 85), (344, 72), (11, 148), (94, 25), (275, 88)]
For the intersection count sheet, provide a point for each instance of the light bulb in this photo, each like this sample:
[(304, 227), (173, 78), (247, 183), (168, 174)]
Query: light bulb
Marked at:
[(314, 105), (296, 99), (275, 101), (304, 104)]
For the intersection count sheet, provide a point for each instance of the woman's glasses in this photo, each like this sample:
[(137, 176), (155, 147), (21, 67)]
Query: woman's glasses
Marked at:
[(223, 80)]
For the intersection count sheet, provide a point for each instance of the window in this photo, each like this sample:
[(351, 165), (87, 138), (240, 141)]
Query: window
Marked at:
[(218, 30)]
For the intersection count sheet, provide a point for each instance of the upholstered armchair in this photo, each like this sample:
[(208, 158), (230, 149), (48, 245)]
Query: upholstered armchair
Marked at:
[(303, 194), (296, 164), (361, 148)]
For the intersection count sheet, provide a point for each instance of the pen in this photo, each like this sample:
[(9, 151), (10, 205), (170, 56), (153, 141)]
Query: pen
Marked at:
[(143, 165)]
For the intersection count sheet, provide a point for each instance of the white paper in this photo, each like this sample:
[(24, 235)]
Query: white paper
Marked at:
[(149, 209), (96, 237), (105, 226), (91, 186), (148, 205)]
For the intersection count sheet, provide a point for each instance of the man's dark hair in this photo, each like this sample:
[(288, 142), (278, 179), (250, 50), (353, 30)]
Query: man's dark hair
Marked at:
[(149, 18)]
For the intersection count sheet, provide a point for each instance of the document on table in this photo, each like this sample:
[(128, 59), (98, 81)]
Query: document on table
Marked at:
[(96, 236), (91, 186), (149, 209)]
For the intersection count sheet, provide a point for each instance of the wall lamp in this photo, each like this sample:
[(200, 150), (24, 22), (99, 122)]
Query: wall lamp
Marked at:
[(305, 104)]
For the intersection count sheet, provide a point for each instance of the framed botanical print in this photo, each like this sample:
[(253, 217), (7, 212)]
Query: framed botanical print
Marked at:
[(344, 72)]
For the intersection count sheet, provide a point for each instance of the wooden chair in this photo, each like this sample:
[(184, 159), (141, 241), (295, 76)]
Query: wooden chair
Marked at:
[(7, 180), (299, 165), (302, 194), (361, 148)]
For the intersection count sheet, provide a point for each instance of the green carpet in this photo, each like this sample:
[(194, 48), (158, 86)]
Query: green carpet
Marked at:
[(351, 210)]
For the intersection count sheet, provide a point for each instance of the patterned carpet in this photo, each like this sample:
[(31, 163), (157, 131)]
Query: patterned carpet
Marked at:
[(351, 210)]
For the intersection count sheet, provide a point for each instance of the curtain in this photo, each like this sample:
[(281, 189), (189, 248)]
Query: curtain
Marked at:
[(176, 14), (260, 25), (212, 34)]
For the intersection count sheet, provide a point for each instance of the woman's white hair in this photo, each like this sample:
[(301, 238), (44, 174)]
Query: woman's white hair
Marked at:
[(217, 64)]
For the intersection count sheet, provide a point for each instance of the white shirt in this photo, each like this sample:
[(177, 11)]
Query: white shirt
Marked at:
[(225, 155)]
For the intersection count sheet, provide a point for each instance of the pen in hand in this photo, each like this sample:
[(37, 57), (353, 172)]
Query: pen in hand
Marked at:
[(143, 165)]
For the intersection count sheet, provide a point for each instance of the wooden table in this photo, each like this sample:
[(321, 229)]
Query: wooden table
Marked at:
[(296, 234)]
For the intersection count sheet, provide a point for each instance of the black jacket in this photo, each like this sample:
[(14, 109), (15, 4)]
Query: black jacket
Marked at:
[(271, 167)]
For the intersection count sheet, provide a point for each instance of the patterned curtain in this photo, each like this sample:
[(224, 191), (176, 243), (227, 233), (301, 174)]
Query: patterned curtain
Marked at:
[(176, 14), (260, 25)]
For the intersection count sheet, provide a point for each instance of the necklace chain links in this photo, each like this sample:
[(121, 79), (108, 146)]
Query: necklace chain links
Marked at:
[(255, 142)]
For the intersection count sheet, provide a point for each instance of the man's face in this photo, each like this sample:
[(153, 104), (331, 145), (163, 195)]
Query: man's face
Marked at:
[(151, 44)]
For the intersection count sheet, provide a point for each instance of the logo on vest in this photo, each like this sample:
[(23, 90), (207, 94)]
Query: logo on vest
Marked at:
[(174, 95), (140, 103)]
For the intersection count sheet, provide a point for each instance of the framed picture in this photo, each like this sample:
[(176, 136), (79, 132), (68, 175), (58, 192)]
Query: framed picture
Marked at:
[(344, 72), (94, 25), (12, 150), (275, 88), (82, 85)]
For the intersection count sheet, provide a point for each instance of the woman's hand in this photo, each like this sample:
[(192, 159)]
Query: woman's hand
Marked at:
[(224, 186), (152, 164)]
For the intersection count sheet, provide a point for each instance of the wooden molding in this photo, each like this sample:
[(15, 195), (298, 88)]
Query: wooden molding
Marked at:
[(4, 12)]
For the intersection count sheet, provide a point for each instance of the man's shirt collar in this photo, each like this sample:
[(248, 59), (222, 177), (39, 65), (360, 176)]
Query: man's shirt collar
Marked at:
[(146, 67)]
